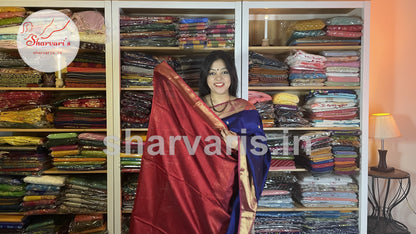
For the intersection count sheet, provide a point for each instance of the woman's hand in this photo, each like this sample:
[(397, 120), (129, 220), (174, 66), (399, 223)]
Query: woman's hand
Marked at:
[(230, 138)]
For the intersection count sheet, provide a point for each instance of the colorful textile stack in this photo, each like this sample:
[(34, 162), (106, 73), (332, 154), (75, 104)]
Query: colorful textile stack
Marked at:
[(23, 155), (193, 33), (91, 223), (71, 151), (328, 190), (306, 69), (281, 147), (264, 105), (91, 29), (189, 68), (342, 68), (157, 31), (220, 33), (47, 224), (131, 153), (86, 71), (12, 191), (345, 148), (303, 32), (332, 108), (128, 190), (137, 69), (266, 71), (85, 194), (287, 111), (10, 20), (316, 155), (87, 111), (344, 27), (317, 222), (278, 222), (277, 191), (42, 194), (135, 109), (12, 223)]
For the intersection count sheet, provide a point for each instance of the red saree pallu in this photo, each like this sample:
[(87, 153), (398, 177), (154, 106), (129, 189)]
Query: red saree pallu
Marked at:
[(181, 191)]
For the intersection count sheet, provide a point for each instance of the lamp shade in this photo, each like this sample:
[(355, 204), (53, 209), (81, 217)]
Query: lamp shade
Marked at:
[(383, 126)]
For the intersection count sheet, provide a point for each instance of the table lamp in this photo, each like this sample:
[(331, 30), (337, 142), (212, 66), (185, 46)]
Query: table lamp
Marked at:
[(383, 127)]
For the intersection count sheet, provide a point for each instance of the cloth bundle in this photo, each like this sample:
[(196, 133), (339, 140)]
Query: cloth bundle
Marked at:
[(23, 155), (332, 108), (305, 29), (12, 190), (345, 148), (128, 191), (193, 33), (316, 222), (91, 29), (47, 224), (220, 33), (327, 190), (71, 151), (316, 155), (264, 105), (139, 31), (306, 69), (137, 69), (282, 149), (10, 20), (266, 71), (277, 191), (85, 195), (342, 68), (287, 111), (86, 71), (135, 109), (344, 27), (188, 67), (131, 153), (12, 223), (278, 222), (42, 194), (88, 223)]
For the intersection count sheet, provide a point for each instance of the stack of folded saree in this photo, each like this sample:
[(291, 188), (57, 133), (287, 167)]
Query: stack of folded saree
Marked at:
[(317, 222), (88, 223), (345, 148), (344, 27), (12, 190), (277, 191), (188, 67), (139, 31), (266, 71), (316, 155), (287, 111), (137, 69), (23, 155), (328, 190), (10, 20), (332, 108), (87, 70), (131, 153), (86, 111), (278, 222), (47, 224), (342, 68), (306, 69), (302, 30), (264, 105), (135, 109), (281, 148), (128, 190), (220, 33), (42, 194), (12, 223), (193, 33), (85, 194), (91, 29)]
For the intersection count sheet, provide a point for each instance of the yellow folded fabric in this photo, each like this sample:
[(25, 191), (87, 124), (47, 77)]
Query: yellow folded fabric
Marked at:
[(313, 24), (124, 155), (39, 197), (285, 99), (11, 218), (21, 140), (64, 153), (12, 9)]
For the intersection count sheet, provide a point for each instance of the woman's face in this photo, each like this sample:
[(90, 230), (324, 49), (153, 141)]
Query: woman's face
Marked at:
[(218, 79)]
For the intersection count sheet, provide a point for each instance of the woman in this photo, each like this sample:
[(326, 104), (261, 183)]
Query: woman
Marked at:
[(189, 181), (218, 88)]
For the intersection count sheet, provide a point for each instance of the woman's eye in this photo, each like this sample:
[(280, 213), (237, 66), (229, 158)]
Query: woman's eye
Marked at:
[(212, 74), (226, 73)]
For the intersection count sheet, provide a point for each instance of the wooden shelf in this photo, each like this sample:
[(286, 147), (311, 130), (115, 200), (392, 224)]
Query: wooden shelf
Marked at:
[(285, 49), (172, 50), (285, 88), (310, 128), (49, 89), (52, 130), (54, 171)]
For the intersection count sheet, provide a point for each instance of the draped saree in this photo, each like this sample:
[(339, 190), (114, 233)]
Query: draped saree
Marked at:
[(189, 182)]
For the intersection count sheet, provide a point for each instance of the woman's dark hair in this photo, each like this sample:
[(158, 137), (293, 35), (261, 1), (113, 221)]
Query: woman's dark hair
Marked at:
[(205, 67)]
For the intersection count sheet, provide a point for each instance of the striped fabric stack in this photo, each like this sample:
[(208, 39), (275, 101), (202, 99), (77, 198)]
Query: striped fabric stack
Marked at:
[(220, 33), (192, 33), (342, 68)]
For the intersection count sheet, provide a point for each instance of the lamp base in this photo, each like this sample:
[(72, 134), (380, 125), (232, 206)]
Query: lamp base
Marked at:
[(382, 165), (265, 42)]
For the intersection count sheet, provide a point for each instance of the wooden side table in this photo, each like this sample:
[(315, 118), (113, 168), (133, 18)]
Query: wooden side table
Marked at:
[(386, 191)]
